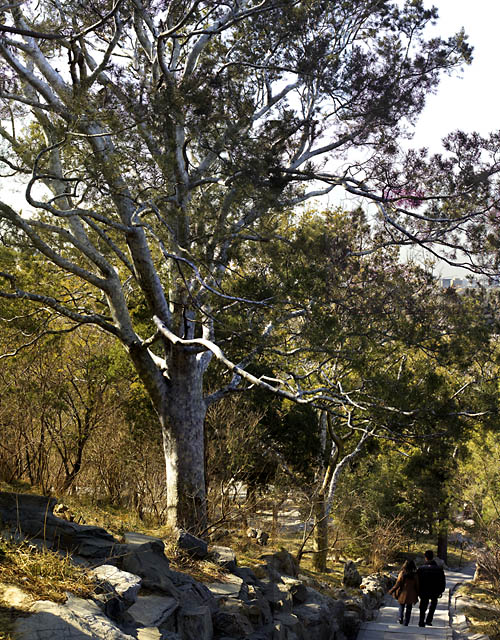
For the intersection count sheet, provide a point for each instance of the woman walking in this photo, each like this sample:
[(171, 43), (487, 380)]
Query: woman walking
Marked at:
[(406, 591)]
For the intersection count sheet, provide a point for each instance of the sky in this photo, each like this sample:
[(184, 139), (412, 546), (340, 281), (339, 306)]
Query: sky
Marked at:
[(468, 100)]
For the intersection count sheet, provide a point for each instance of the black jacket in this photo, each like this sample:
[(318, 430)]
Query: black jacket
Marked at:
[(431, 579)]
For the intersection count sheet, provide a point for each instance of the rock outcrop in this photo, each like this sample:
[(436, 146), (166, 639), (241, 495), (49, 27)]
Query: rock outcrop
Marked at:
[(271, 603)]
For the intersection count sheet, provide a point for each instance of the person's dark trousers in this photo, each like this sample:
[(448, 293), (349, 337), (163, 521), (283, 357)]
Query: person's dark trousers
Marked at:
[(407, 614), (424, 602)]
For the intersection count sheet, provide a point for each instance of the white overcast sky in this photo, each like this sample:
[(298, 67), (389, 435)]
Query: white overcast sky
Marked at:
[(471, 100), (468, 100)]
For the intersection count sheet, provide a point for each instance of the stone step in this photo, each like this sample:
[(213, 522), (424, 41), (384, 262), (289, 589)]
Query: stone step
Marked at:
[(386, 627)]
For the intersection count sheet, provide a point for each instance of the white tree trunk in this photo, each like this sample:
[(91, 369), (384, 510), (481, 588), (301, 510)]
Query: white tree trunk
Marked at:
[(183, 441)]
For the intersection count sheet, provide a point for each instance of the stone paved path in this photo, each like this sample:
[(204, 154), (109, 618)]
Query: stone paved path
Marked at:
[(386, 627)]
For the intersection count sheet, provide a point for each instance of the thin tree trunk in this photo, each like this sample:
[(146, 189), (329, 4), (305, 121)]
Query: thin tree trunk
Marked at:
[(442, 543), (320, 540)]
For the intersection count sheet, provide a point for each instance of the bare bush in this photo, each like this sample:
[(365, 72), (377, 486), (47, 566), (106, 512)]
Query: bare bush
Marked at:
[(488, 556)]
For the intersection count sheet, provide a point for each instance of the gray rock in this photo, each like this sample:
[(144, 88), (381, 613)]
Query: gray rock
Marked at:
[(225, 589), (195, 547), (224, 557), (255, 597), (195, 594), (282, 562), (122, 585), (351, 577), (153, 633), (32, 516), (152, 610), (231, 623), (195, 623), (278, 596), (293, 626), (148, 561), (134, 538), (77, 619), (262, 537), (246, 574), (297, 589), (351, 624)]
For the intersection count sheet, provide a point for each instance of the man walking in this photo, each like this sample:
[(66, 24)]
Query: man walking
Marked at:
[(432, 583)]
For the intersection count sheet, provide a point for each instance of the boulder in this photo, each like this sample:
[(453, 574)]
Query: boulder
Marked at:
[(153, 610), (195, 547), (256, 598), (120, 584), (195, 623), (294, 629), (246, 574), (231, 623), (282, 562), (224, 557), (232, 587), (351, 577), (297, 589), (278, 596), (32, 516), (320, 616), (351, 624), (148, 561), (77, 619), (195, 594)]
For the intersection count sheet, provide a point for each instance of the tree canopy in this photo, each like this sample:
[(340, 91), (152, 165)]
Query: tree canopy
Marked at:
[(161, 144)]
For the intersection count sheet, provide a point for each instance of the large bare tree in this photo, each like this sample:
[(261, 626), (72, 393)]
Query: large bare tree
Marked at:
[(157, 140)]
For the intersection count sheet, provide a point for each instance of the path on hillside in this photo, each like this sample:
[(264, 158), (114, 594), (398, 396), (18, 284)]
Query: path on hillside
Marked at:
[(386, 627)]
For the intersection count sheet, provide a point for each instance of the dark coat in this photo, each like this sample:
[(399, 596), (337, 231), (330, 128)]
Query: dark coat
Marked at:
[(431, 579), (408, 588)]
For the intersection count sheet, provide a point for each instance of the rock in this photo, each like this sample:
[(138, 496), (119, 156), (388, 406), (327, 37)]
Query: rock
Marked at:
[(230, 589), (282, 562), (195, 623), (32, 516), (351, 575), (77, 619), (195, 547), (231, 623), (195, 594), (148, 561), (256, 598), (14, 597), (320, 615), (297, 589), (294, 628), (351, 624), (119, 586), (246, 574), (278, 596), (224, 557), (138, 539), (153, 633), (262, 537), (153, 610)]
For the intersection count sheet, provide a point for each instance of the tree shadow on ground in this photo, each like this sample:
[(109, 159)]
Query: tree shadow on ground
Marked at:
[(8, 617)]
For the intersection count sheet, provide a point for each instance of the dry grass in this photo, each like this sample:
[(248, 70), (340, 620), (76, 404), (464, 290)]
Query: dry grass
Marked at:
[(43, 574), (484, 615)]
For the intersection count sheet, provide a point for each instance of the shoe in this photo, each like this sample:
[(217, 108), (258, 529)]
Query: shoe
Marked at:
[(406, 624), (421, 624), (428, 624), (400, 621)]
